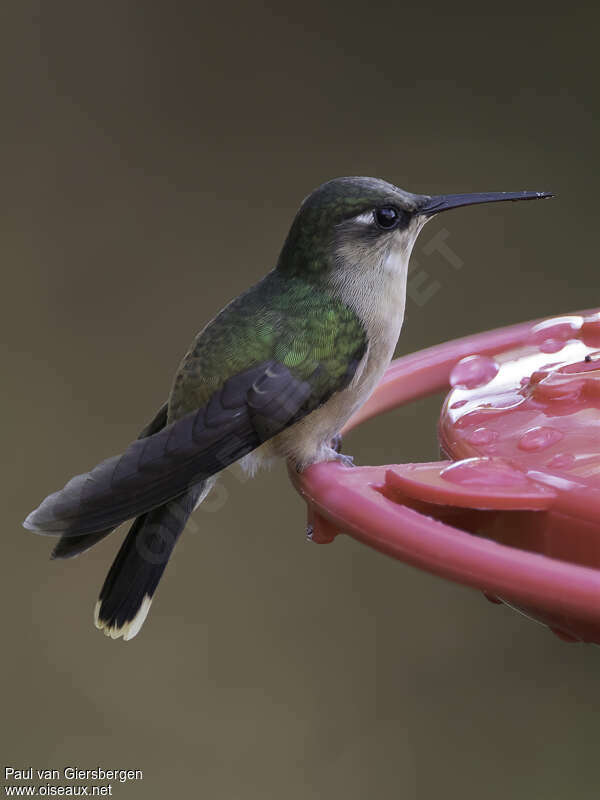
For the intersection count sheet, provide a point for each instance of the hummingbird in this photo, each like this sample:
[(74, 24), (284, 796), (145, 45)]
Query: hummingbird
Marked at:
[(274, 375)]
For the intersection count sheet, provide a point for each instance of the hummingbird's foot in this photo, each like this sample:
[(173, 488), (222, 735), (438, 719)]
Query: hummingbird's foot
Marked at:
[(326, 454), (346, 461), (335, 447), (336, 442), (309, 533)]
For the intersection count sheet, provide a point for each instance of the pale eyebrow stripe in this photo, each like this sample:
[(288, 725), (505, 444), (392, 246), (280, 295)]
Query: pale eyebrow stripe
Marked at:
[(366, 218)]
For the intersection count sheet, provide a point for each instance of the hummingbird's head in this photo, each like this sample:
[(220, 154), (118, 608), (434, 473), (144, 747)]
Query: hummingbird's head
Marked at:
[(366, 226)]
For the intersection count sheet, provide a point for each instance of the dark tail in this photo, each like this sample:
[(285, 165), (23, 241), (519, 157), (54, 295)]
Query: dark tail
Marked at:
[(132, 580)]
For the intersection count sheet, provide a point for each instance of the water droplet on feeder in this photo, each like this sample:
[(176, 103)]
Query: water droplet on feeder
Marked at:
[(539, 438), (482, 436), (473, 371), (551, 345), (562, 461)]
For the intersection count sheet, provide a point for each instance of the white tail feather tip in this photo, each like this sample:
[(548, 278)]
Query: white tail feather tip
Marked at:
[(130, 628)]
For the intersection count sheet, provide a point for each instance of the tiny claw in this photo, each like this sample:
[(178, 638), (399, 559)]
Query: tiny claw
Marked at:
[(310, 533), (346, 461)]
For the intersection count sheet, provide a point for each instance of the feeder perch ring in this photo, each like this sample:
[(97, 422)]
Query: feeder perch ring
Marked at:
[(515, 509)]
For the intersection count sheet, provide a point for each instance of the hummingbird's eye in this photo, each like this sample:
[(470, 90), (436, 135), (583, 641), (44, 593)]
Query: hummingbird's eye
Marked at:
[(387, 217)]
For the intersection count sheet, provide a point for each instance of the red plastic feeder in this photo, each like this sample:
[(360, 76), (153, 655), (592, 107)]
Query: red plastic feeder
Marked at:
[(515, 510)]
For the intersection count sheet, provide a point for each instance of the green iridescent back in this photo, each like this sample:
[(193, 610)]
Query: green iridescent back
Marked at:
[(287, 319)]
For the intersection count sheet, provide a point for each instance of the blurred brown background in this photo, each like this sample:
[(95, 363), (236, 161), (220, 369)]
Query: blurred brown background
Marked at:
[(153, 155)]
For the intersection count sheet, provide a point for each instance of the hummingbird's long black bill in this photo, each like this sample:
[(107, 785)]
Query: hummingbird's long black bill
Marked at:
[(444, 202)]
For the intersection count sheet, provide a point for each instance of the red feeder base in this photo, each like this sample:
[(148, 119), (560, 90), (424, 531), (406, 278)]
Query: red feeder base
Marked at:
[(515, 510)]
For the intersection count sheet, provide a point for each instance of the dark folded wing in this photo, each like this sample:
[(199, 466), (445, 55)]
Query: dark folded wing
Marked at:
[(248, 409)]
